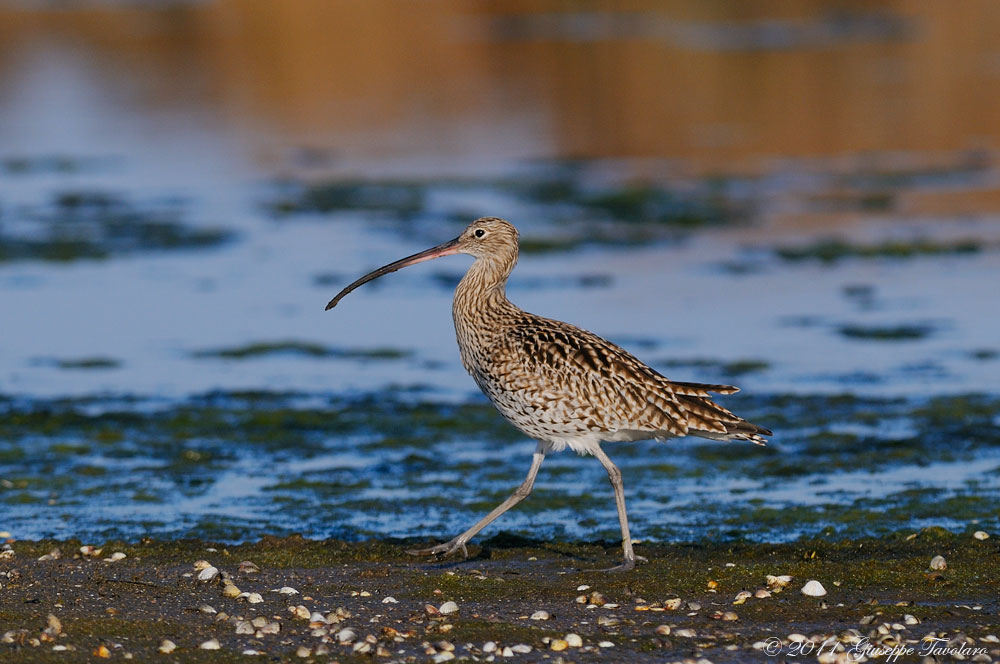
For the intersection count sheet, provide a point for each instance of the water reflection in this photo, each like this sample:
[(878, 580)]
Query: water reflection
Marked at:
[(801, 198), (730, 85)]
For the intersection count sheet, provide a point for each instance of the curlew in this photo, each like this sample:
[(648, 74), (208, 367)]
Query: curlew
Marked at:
[(559, 384)]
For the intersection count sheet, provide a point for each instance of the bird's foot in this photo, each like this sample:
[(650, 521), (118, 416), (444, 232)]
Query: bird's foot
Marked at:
[(445, 549), (627, 564)]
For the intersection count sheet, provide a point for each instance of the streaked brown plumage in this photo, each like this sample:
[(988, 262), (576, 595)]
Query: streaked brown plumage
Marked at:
[(563, 386)]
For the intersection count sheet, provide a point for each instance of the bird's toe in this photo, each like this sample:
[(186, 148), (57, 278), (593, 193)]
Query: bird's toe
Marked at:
[(445, 549), (429, 551)]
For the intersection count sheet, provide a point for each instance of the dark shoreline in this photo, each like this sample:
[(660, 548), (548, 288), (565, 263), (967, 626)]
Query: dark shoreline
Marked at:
[(881, 587)]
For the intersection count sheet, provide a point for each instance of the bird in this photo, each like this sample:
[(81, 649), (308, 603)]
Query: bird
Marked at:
[(561, 385)]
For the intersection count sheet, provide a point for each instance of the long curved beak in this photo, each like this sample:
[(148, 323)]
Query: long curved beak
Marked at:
[(446, 249)]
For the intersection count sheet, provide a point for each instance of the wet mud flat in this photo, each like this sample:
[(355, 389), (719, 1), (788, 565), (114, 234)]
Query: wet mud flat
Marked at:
[(515, 599)]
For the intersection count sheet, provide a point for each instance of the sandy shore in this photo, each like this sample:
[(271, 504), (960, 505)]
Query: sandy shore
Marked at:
[(514, 600)]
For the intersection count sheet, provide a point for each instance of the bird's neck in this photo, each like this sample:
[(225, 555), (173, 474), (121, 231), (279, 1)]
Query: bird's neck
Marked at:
[(483, 287)]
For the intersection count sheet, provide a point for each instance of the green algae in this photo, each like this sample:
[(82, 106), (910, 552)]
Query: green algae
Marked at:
[(340, 465), (83, 224), (912, 332), (733, 368), (835, 250), (96, 362), (303, 348), (578, 215), (396, 198)]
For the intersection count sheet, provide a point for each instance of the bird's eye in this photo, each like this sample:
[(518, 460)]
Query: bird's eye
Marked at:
[(479, 232)]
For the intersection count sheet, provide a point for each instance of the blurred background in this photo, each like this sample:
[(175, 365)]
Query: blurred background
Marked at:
[(800, 197)]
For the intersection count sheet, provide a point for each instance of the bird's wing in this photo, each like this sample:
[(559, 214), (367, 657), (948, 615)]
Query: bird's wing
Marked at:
[(587, 369)]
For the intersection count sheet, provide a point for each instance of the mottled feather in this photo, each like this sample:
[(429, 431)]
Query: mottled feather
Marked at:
[(566, 386)]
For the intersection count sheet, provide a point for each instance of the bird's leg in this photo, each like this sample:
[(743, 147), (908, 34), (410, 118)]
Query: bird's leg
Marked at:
[(520, 493), (615, 476)]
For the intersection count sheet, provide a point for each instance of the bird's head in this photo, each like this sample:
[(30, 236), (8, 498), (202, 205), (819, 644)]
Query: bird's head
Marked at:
[(489, 239)]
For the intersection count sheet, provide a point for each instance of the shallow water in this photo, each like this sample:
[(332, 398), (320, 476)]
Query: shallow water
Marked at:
[(166, 365), (407, 464)]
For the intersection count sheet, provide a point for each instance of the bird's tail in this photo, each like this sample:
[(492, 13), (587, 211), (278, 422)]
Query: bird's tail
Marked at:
[(741, 430)]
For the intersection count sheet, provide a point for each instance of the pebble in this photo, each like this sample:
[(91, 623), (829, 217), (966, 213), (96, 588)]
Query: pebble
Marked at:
[(448, 608), (167, 646), (286, 590), (582, 588), (300, 612), (813, 588), (795, 637), (244, 627), (663, 630), (522, 648), (255, 598), (730, 616), (303, 652), (444, 656), (910, 620), (250, 652), (230, 590), (938, 563), (346, 635), (762, 593), (211, 644), (248, 567), (606, 644), (490, 646), (90, 551), (574, 640), (672, 604), (538, 615), (54, 626), (558, 644), (685, 632), (742, 597), (390, 600), (102, 652), (317, 617), (507, 652), (778, 582), (981, 535), (115, 557), (207, 608), (201, 564), (208, 573)]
